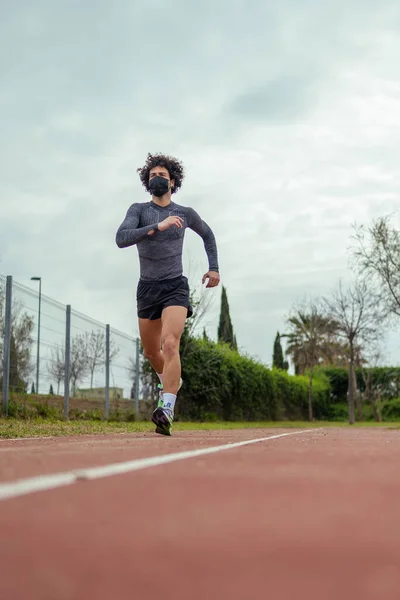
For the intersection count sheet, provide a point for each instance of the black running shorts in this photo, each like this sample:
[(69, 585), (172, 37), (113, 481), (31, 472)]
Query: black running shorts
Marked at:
[(153, 296)]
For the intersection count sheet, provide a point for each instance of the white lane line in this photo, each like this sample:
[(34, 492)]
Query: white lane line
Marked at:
[(40, 483)]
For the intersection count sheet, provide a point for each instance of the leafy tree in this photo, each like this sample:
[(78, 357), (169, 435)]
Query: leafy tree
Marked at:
[(51, 391), (278, 360), (20, 343), (225, 328), (310, 335), (33, 388)]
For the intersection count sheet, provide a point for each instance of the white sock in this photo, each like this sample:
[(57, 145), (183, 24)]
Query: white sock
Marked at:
[(159, 375), (169, 401)]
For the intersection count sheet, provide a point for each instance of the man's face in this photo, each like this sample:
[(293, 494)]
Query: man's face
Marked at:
[(160, 172)]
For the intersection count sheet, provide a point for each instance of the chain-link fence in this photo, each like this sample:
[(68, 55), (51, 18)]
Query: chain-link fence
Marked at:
[(55, 356)]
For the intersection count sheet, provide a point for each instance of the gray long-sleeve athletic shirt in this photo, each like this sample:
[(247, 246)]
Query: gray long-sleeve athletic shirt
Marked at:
[(160, 254)]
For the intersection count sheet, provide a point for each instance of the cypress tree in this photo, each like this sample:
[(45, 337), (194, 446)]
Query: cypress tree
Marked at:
[(278, 360), (225, 328)]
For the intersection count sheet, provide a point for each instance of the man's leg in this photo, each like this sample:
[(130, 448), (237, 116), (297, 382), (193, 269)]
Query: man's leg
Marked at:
[(173, 321), (150, 334)]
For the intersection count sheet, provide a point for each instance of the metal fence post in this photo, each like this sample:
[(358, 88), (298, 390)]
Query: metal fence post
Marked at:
[(7, 341), (137, 375), (67, 360), (107, 371)]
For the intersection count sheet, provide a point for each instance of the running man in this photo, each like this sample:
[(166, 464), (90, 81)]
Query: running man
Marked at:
[(158, 228)]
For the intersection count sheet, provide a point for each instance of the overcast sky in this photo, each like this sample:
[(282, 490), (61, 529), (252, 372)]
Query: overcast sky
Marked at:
[(286, 116)]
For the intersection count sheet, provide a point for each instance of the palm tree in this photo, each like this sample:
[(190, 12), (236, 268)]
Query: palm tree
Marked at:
[(311, 340)]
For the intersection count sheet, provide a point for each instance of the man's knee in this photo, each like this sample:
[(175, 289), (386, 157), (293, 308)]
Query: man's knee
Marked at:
[(150, 352), (170, 345)]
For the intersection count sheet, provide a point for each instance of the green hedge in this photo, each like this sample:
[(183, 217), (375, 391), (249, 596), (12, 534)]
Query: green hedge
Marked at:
[(292, 396), (387, 378), (221, 384), (390, 411), (338, 379)]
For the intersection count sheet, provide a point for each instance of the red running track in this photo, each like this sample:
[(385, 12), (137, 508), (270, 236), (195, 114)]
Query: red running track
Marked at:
[(314, 516)]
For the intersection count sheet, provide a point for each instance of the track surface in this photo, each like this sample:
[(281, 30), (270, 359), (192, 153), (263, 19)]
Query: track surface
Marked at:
[(314, 516)]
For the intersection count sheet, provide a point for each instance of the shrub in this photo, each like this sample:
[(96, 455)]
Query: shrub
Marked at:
[(338, 379), (18, 410), (45, 411), (338, 412), (387, 379), (76, 414), (391, 410), (219, 383), (292, 396)]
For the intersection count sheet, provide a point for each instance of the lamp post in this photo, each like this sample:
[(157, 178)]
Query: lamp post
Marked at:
[(39, 279)]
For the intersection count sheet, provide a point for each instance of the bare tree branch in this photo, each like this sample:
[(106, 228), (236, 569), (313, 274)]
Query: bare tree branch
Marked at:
[(79, 365), (360, 317), (95, 342), (376, 255), (56, 366)]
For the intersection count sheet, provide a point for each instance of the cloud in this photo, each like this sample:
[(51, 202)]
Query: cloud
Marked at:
[(283, 99)]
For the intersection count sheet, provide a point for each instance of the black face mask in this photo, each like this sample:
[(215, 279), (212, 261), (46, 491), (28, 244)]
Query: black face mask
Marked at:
[(159, 186)]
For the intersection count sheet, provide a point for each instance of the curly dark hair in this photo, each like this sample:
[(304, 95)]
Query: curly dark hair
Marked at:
[(173, 166)]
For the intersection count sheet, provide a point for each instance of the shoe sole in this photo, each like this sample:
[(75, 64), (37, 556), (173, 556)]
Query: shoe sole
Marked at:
[(162, 431), (163, 426)]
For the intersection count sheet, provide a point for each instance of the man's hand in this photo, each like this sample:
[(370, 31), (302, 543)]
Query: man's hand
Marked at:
[(169, 222), (213, 279)]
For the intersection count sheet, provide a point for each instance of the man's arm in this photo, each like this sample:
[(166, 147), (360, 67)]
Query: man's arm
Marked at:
[(128, 233), (196, 223)]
